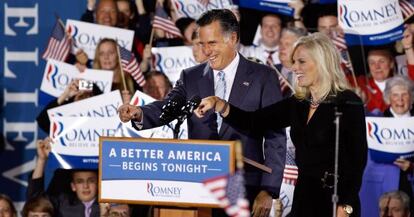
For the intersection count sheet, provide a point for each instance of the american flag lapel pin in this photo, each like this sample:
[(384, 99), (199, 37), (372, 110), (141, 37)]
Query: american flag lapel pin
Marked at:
[(246, 83)]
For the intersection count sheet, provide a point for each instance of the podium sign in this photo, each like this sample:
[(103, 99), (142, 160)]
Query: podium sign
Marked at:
[(161, 171)]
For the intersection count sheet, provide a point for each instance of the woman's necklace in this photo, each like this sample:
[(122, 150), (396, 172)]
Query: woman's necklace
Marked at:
[(314, 104)]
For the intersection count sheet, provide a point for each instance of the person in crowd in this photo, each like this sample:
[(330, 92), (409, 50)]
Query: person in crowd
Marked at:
[(320, 89), (115, 210), (157, 85), (297, 6), (243, 83), (394, 204), (38, 207), (381, 67), (267, 51), (198, 54), (379, 177), (72, 93), (287, 39), (7, 208), (407, 43), (84, 185), (328, 23), (187, 27), (106, 58), (106, 13)]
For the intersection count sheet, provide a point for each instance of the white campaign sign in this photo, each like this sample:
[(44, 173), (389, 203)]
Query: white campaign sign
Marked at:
[(194, 8), (58, 75), (172, 60), (104, 105), (87, 36)]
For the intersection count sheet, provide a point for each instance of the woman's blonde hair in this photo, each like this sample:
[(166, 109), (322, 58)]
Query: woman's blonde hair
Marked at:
[(330, 75)]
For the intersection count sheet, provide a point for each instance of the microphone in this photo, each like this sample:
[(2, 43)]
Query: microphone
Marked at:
[(187, 109), (172, 109)]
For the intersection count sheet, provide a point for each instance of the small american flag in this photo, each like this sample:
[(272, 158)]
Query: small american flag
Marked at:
[(59, 44), (290, 174), (162, 21), (230, 192), (407, 8), (129, 64), (340, 44)]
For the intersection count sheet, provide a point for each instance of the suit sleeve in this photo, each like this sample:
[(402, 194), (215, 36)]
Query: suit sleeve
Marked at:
[(152, 111), (275, 140), (352, 152)]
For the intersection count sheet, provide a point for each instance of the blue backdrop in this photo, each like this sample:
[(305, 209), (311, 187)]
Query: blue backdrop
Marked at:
[(25, 28)]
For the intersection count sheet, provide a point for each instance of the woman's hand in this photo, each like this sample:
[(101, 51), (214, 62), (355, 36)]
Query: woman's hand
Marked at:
[(208, 103)]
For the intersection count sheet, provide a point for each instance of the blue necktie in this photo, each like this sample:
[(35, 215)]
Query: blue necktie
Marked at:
[(220, 91)]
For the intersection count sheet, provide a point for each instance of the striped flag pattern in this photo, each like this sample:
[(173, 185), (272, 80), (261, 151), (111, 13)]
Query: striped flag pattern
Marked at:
[(230, 192), (340, 44), (407, 8), (290, 174), (163, 22), (129, 64), (59, 44)]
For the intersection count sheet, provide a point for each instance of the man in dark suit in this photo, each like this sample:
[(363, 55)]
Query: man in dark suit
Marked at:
[(243, 83)]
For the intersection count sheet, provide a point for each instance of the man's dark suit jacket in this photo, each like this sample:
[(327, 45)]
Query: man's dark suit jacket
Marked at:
[(255, 86)]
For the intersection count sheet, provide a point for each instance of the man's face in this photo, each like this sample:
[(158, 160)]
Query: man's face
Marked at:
[(328, 24), (106, 13), (270, 30), (198, 52), (286, 46), (219, 48), (391, 207), (85, 185), (380, 65), (121, 210)]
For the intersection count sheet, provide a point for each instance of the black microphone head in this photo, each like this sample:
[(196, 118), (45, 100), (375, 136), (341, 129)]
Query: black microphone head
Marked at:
[(171, 109), (192, 104)]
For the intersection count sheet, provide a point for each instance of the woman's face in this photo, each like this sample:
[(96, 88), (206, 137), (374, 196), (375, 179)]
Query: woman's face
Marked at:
[(305, 68), (107, 56), (400, 99), (380, 65), (5, 209)]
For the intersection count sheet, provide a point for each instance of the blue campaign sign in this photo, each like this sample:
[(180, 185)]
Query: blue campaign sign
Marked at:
[(164, 160), (162, 171), (266, 5), (25, 29)]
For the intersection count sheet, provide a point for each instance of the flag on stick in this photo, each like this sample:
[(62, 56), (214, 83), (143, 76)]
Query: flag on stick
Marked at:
[(407, 8), (129, 64), (163, 22), (59, 44)]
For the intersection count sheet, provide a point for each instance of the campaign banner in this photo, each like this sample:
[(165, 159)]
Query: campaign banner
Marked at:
[(168, 62), (194, 8), (275, 6), (370, 22), (161, 171), (57, 76), (390, 138), (140, 99), (104, 105), (86, 36), (76, 140)]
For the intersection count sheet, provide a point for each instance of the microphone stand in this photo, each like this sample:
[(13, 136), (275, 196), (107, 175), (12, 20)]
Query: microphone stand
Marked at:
[(177, 126), (335, 193)]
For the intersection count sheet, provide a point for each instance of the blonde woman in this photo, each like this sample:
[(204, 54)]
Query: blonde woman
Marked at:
[(320, 88)]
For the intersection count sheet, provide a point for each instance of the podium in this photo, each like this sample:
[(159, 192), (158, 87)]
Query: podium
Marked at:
[(167, 174)]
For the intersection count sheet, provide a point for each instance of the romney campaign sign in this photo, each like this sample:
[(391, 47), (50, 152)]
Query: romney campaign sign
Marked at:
[(86, 36), (168, 62), (162, 171), (194, 8), (58, 75), (370, 22), (390, 138)]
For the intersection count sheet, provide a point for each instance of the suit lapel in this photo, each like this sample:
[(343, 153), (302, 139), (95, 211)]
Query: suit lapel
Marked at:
[(242, 82), (206, 83)]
